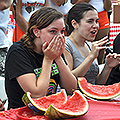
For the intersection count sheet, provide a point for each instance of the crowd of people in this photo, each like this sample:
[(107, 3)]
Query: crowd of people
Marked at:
[(54, 44)]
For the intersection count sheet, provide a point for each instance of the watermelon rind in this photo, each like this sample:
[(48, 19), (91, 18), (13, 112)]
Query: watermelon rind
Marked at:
[(55, 113), (31, 104), (96, 95)]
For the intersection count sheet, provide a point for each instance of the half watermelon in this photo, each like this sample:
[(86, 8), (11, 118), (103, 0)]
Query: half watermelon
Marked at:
[(75, 106), (101, 92), (40, 105)]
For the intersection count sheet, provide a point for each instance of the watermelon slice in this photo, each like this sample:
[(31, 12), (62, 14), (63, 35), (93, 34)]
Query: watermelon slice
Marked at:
[(40, 105), (75, 106), (101, 92)]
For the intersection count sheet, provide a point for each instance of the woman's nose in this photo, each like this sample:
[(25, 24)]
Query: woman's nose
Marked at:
[(96, 25)]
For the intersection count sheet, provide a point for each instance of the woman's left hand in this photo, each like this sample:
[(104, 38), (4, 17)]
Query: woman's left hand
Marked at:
[(112, 60), (55, 48)]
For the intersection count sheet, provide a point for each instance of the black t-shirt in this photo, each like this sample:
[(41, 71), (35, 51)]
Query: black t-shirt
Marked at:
[(114, 76), (20, 61)]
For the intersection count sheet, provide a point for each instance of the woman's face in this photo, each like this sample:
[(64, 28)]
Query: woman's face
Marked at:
[(57, 27), (88, 26)]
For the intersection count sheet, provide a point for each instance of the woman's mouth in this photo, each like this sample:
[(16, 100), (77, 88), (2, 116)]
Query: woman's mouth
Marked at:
[(93, 32)]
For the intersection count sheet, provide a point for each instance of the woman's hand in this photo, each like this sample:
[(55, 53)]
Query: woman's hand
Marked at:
[(112, 60), (55, 48), (97, 46)]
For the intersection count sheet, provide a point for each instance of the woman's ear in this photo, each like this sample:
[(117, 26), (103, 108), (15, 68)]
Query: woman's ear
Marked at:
[(74, 24), (36, 31)]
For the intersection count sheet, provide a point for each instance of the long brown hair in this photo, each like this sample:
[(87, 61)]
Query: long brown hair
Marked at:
[(39, 19)]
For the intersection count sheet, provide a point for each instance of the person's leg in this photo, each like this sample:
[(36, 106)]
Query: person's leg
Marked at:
[(3, 53)]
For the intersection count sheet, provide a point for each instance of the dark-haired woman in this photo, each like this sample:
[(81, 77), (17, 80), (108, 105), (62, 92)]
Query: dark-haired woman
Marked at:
[(80, 50)]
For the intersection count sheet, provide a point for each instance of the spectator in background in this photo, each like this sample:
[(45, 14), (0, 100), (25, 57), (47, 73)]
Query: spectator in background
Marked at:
[(80, 50), (22, 12), (4, 19), (61, 5), (4, 4), (114, 76), (102, 6), (4, 42)]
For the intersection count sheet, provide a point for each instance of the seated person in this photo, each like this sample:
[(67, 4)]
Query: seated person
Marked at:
[(80, 51), (36, 63), (114, 76)]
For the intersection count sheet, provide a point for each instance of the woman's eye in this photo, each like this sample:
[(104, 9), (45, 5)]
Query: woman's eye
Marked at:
[(53, 31), (90, 21)]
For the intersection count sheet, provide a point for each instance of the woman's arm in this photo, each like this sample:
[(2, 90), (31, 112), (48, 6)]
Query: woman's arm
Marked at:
[(81, 70), (46, 3), (37, 87), (19, 18), (111, 61), (22, 23), (68, 80), (107, 4)]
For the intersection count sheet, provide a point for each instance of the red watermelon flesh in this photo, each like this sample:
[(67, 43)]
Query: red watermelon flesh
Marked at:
[(99, 91), (74, 103), (40, 105), (75, 106), (54, 99)]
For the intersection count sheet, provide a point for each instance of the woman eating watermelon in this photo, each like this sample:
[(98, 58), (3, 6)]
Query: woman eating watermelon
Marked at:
[(36, 64), (80, 51)]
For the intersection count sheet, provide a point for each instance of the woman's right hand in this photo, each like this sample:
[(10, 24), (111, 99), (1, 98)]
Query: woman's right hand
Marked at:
[(55, 48), (97, 46)]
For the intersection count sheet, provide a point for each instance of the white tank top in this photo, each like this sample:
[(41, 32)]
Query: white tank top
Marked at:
[(30, 6), (98, 4), (63, 8)]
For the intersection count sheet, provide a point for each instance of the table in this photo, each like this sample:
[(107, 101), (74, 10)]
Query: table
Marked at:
[(114, 31), (98, 110)]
